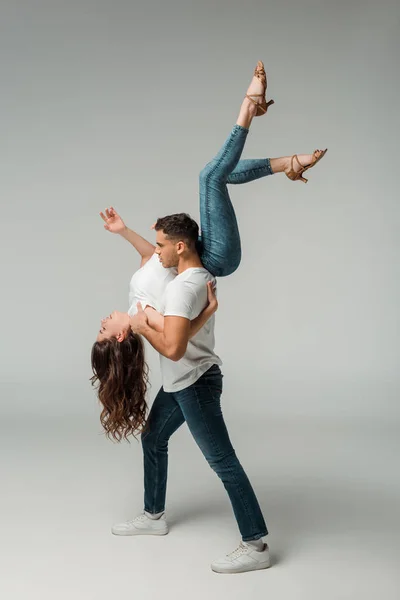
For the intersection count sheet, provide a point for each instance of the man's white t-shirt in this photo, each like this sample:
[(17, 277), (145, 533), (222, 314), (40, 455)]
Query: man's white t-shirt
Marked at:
[(186, 296), (148, 285)]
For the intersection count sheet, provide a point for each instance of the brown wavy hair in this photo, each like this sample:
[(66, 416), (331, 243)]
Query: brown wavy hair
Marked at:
[(122, 375)]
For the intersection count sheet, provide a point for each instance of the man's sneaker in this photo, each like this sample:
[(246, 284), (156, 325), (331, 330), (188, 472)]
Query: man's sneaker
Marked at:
[(142, 525), (243, 559)]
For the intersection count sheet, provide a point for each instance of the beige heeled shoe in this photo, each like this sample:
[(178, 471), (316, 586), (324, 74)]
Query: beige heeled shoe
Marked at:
[(262, 106), (295, 175)]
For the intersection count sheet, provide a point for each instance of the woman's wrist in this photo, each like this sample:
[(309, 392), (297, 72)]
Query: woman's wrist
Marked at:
[(124, 232), (211, 309)]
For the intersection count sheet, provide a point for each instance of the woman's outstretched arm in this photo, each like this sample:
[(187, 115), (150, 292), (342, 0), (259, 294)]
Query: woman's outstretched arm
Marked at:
[(156, 320), (115, 224)]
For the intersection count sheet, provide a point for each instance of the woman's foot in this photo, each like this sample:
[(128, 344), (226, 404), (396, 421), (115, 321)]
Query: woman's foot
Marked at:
[(254, 103), (294, 166), (255, 96), (304, 160), (298, 163)]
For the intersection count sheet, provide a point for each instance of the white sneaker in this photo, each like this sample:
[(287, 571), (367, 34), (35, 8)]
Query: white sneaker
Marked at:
[(142, 525), (243, 559)]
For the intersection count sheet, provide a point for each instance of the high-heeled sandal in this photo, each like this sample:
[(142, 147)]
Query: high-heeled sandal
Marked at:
[(262, 107), (295, 175)]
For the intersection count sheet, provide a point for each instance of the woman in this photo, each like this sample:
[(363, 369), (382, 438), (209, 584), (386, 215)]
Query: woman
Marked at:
[(118, 354)]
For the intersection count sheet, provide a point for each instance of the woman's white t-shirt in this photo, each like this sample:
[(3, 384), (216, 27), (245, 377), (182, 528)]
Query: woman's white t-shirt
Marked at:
[(148, 285)]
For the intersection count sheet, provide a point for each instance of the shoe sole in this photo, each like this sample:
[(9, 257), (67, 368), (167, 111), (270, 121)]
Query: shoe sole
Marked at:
[(259, 567), (130, 533)]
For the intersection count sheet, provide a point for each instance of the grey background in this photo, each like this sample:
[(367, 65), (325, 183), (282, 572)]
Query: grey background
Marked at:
[(122, 103)]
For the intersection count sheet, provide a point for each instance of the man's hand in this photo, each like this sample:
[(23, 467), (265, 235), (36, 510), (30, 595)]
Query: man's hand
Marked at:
[(139, 321), (113, 221)]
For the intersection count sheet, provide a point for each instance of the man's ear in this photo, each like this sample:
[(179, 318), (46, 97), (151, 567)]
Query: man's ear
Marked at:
[(180, 247)]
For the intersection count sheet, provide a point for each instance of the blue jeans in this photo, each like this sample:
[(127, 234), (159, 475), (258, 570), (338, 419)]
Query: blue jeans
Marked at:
[(200, 406), (219, 244)]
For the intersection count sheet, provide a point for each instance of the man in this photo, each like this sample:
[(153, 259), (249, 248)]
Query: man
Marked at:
[(191, 392)]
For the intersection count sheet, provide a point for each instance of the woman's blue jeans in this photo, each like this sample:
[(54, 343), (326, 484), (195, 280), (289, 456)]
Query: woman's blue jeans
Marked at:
[(219, 244)]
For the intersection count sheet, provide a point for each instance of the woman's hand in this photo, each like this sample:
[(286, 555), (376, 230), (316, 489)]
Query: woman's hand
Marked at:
[(212, 298), (207, 312), (113, 221)]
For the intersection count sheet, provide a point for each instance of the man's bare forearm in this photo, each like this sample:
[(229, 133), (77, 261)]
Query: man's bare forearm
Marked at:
[(159, 342), (144, 247)]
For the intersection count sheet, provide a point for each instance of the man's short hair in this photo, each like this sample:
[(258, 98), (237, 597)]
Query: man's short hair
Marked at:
[(179, 226)]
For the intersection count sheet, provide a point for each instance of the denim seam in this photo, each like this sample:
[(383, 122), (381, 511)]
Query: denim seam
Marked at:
[(244, 174)]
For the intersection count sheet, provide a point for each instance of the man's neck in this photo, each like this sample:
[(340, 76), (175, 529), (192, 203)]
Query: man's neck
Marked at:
[(193, 260)]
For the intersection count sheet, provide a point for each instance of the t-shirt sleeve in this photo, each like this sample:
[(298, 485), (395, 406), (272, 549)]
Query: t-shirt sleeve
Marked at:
[(180, 300)]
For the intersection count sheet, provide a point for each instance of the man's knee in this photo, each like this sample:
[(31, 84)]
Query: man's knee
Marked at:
[(220, 462), (152, 441)]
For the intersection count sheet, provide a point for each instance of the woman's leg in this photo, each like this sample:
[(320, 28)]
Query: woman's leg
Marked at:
[(220, 249), (250, 169), (219, 246), (220, 238)]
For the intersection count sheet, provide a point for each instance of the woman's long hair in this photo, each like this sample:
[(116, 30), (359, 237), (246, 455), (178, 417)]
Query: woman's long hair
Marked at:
[(122, 375)]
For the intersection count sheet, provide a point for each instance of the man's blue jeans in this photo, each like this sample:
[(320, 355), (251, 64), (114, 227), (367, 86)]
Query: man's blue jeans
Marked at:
[(200, 406)]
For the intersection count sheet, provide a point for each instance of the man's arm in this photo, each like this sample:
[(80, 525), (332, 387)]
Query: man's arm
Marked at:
[(180, 301), (156, 320), (171, 342)]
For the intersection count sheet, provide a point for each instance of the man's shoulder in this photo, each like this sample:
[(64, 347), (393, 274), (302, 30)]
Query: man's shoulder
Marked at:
[(191, 281), (197, 275)]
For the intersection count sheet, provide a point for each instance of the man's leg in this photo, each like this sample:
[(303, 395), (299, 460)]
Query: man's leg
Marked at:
[(201, 408), (165, 417)]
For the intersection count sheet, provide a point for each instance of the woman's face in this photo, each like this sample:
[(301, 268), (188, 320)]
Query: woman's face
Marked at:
[(115, 325)]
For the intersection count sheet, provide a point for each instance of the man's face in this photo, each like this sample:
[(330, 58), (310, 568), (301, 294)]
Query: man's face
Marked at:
[(168, 251)]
